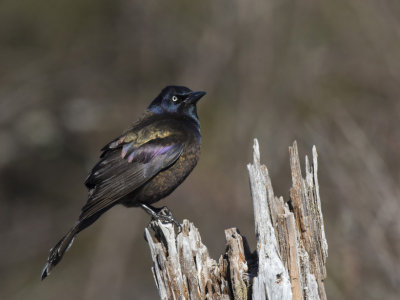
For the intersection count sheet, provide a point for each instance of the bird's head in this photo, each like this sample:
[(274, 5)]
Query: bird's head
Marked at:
[(176, 99)]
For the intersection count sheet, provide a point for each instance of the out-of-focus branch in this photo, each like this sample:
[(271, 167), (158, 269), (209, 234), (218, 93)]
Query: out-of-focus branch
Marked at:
[(290, 259)]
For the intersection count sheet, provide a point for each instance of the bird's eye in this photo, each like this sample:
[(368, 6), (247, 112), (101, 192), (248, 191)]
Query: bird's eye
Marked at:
[(174, 98)]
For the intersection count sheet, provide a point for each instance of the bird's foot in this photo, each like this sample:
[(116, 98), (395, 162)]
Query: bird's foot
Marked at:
[(162, 214)]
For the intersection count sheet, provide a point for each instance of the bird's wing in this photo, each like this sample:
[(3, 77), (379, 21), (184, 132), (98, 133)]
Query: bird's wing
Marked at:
[(123, 168)]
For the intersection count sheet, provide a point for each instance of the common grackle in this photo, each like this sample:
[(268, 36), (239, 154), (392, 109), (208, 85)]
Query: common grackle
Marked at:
[(143, 165)]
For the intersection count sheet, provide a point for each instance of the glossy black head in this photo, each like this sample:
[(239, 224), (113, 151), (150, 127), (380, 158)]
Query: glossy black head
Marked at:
[(176, 99)]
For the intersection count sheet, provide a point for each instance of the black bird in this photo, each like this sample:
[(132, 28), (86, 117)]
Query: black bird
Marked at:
[(143, 165)]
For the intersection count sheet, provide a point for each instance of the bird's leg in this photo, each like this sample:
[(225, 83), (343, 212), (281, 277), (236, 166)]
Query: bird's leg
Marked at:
[(163, 214)]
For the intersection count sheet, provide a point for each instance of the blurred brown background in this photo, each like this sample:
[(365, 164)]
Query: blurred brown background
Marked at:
[(74, 74)]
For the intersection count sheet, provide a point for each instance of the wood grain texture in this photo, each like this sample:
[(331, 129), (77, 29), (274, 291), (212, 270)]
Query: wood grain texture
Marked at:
[(290, 259), (183, 269), (272, 281)]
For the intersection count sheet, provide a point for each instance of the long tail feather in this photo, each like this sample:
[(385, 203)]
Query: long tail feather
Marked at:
[(57, 252)]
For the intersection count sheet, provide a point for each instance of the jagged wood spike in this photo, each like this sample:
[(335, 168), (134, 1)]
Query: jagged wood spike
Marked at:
[(291, 246)]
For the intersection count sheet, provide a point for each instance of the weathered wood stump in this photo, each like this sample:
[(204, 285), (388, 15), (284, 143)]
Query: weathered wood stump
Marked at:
[(290, 259)]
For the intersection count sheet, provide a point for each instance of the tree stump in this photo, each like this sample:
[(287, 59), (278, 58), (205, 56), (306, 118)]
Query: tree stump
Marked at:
[(290, 259)]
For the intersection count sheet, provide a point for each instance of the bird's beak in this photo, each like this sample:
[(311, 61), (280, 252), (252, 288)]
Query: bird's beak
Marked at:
[(193, 97)]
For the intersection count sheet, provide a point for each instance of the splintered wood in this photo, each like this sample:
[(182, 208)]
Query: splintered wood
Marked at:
[(290, 259), (183, 269)]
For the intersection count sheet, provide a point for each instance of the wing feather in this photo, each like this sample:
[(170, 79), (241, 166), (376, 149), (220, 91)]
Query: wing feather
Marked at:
[(123, 169)]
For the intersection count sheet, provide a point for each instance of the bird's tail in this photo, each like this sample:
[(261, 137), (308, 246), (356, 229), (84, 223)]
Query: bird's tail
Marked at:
[(57, 252)]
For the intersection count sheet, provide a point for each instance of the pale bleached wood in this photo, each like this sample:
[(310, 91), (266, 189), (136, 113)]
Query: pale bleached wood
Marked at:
[(272, 281), (312, 245), (290, 259), (183, 269)]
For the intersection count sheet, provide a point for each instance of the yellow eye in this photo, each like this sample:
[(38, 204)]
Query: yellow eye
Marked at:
[(174, 98)]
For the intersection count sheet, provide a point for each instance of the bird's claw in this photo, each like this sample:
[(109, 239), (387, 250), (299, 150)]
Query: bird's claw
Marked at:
[(163, 214)]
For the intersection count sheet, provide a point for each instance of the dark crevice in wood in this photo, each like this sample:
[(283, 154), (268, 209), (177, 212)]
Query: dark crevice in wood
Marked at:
[(290, 259)]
